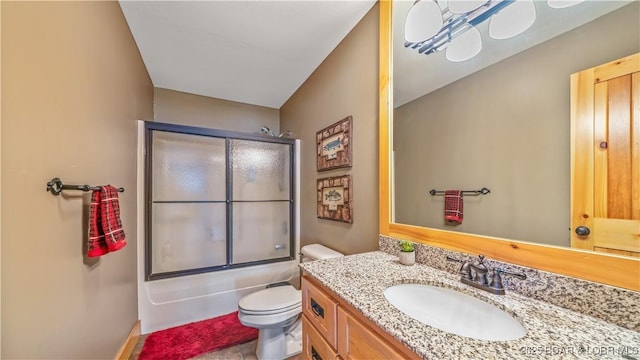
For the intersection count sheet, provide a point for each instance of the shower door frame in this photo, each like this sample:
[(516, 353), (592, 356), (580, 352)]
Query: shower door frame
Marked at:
[(228, 136)]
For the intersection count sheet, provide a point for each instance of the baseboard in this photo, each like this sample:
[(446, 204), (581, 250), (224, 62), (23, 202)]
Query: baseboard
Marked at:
[(130, 343)]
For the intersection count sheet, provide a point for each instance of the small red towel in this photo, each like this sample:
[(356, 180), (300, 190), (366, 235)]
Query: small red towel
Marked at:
[(96, 245), (110, 214), (453, 206), (105, 227)]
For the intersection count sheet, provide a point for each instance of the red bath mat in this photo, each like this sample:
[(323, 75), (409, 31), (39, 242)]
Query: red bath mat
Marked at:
[(190, 340)]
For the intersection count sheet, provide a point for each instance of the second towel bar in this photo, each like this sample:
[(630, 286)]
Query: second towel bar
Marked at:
[(483, 191)]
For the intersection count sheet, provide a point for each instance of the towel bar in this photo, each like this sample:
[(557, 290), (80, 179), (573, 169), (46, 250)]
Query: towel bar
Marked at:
[(483, 191), (55, 186)]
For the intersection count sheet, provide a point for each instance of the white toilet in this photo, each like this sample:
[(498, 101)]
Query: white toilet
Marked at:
[(275, 312)]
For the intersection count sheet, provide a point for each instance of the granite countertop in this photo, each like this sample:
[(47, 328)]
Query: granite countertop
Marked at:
[(552, 331)]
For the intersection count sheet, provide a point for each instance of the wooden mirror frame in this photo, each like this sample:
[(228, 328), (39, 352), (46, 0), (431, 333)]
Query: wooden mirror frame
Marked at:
[(609, 269)]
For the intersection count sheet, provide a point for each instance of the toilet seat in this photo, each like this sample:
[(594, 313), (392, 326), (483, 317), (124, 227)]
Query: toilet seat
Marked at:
[(270, 312), (273, 300), (278, 320)]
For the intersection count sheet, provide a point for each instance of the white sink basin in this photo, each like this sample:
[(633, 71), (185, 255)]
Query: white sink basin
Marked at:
[(454, 312)]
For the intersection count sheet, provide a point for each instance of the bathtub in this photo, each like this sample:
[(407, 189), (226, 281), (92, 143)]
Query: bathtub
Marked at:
[(171, 302), (176, 301)]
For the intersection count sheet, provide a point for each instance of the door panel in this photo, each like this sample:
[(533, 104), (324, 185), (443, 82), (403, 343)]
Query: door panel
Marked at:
[(617, 234), (260, 170), (261, 231), (188, 167), (605, 160), (188, 236), (618, 149), (635, 149)]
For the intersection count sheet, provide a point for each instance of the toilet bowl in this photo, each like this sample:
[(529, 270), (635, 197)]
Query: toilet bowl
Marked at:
[(275, 312)]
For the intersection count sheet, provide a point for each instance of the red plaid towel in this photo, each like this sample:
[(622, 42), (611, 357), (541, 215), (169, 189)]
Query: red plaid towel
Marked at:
[(110, 214), (96, 245), (105, 227), (453, 206)]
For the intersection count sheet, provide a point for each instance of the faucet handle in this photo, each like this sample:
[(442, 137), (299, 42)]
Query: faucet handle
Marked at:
[(520, 276), (496, 280)]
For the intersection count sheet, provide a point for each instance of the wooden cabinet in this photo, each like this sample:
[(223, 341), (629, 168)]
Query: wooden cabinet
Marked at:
[(320, 310), (332, 329), (314, 346), (357, 341)]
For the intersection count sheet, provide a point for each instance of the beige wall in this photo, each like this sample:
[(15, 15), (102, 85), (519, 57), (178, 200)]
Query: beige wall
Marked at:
[(346, 83), (506, 128), (188, 109), (73, 86), (0, 188)]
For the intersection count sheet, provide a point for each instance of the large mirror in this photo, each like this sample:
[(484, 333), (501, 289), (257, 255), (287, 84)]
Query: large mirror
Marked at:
[(499, 120)]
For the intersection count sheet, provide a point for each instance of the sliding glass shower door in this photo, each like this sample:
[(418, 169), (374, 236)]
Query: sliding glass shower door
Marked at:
[(216, 200), (261, 199)]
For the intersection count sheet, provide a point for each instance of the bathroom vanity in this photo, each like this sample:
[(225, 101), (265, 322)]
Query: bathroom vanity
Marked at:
[(346, 315), (332, 329)]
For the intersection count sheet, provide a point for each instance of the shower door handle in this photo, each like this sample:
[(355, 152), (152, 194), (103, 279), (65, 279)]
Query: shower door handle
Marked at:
[(280, 246)]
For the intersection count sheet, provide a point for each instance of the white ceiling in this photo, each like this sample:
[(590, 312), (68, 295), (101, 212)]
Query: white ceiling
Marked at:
[(251, 51), (260, 51)]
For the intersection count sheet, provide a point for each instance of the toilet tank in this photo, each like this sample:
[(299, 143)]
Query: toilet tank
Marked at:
[(318, 252)]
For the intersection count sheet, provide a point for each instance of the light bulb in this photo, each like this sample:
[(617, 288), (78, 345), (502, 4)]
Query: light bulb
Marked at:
[(512, 20), (465, 46), (423, 21)]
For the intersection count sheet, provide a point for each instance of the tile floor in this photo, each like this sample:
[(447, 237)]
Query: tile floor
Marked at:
[(244, 351)]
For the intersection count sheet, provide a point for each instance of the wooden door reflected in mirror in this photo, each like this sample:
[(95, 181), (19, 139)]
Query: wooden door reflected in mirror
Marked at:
[(605, 157)]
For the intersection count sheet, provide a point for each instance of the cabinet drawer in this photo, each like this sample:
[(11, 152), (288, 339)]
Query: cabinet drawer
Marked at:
[(320, 310), (314, 347)]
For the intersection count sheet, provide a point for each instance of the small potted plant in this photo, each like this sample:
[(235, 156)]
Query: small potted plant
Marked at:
[(407, 252)]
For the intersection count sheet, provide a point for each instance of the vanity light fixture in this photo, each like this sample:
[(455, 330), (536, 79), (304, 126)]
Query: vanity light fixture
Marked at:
[(456, 22), (451, 25)]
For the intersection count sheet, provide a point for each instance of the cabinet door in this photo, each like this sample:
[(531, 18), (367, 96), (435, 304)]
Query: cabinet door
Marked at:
[(314, 347), (357, 341)]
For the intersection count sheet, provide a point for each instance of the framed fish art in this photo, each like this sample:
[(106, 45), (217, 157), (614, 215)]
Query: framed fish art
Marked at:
[(334, 145), (335, 198)]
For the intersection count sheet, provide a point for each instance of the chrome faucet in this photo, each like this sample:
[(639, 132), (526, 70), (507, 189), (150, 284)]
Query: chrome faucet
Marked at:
[(476, 275)]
